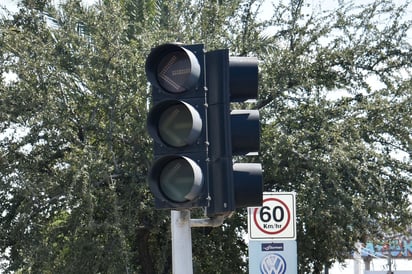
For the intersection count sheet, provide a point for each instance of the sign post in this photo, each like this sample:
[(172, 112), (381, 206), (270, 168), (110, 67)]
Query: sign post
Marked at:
[(272, 234)]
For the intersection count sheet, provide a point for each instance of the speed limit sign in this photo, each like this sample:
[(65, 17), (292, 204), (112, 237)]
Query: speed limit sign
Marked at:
[(275, 219)]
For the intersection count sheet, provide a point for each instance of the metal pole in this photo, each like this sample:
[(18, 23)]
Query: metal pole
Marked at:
[(357, 259), (181, 242)]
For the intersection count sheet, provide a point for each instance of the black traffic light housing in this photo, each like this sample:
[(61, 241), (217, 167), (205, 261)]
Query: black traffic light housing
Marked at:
[(195, 132), (177, 123)]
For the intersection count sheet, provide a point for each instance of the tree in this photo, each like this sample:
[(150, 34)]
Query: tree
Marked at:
[(338, 155), (75, 153), (73, 197)]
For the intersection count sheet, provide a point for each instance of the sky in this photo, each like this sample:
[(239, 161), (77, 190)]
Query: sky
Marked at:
[(377, 264)]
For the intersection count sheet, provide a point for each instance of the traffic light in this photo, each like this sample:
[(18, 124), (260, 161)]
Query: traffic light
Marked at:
[(196, 135), (232, 133), (177, 123)]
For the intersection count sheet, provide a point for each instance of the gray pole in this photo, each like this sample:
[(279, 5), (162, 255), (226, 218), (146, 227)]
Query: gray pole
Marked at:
[(181, 242), (181, 225)]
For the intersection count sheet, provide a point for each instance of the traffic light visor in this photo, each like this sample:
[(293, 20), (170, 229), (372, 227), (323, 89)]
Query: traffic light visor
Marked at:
[(172, 68)]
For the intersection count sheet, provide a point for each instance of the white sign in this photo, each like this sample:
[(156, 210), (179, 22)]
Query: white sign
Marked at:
[(275, 219), (273, 257)]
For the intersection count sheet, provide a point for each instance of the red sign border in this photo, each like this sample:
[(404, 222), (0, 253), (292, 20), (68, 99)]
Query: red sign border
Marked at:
[(262, 229)]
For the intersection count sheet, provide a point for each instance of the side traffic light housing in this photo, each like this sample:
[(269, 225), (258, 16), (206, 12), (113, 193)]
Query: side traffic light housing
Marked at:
[(232, 133)]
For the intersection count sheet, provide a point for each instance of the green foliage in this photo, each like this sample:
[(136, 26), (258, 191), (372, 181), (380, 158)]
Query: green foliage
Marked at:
[(74, 152), (339, 154), (84, 154)]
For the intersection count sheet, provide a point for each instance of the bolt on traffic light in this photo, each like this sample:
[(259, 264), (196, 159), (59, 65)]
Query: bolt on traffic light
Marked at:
[(177, 123)]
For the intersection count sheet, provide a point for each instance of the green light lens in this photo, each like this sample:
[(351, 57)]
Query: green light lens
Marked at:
[(175, 125), (177, 180)]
